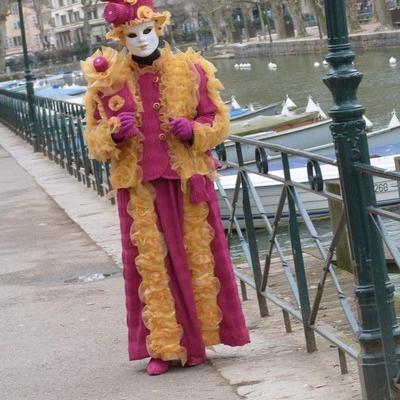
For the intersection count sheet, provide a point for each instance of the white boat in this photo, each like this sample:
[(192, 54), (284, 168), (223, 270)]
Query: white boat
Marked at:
[(377, 140), (246, 113), (303, 137), (269, 190)]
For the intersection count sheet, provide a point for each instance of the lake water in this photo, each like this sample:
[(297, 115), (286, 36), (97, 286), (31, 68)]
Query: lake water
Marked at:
[(297, 76)]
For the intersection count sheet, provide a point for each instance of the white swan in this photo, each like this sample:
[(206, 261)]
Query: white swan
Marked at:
[(272, 66), (394, 122)]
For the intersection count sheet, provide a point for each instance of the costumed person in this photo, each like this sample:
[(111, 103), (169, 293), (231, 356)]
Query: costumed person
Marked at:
[(156, 115)]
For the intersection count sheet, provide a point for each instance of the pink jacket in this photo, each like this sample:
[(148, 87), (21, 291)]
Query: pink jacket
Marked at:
[(155, 160)]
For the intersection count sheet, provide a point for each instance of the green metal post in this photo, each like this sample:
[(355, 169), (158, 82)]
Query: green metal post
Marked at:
[(29, 81), (378, 334)]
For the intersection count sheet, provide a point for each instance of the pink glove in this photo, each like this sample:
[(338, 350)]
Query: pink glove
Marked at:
[(128, 129), (182, 128)]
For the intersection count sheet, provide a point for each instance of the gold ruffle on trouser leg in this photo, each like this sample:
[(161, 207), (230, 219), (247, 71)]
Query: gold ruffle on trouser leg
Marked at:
[(198, 237), (159, 316)]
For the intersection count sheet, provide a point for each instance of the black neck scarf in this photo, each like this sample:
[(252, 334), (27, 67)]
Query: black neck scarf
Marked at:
[(147, 60)]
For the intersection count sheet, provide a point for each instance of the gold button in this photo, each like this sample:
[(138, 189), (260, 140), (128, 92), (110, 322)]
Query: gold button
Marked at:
[(156, 106), (162, 137), (156, 79)]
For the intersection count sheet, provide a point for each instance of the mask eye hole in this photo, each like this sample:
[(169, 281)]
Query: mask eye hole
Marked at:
[(147, 31), (132, 35)]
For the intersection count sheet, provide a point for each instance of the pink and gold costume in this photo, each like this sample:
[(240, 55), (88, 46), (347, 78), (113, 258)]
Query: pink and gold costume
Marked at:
[(181, 294)]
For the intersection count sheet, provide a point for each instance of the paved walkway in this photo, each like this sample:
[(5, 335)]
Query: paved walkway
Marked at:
[(60, 339)]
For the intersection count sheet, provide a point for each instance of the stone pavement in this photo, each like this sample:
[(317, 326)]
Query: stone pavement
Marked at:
[(61, 339)]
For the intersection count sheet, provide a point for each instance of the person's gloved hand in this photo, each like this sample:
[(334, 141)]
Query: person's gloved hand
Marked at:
[(127, 129), (181, 128)]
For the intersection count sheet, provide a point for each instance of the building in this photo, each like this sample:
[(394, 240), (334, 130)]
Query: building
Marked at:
[(14, 39), (67, 17)]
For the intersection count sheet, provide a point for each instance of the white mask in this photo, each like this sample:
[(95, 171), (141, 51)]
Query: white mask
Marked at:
[(142, 40)]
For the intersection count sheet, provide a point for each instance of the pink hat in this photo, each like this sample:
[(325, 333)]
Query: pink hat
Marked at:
[(131, 12)]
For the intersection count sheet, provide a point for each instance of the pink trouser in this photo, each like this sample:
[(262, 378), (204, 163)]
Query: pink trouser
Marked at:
[(169, 208)]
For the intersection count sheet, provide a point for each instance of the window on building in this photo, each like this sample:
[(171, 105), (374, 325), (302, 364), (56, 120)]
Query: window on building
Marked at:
[(16, 25), (63, 20), (94, 14), (10, 43), (71, 16), (61, 3), (17, 41), (77, 16)]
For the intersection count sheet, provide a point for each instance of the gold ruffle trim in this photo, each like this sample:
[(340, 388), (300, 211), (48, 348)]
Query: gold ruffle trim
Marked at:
[(179, 97), (198, 236), (159, 316), (114, 76), (179, 84), (125, 170)]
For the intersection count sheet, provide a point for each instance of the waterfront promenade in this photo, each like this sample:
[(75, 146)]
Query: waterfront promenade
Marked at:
[(370, 37), (66, 340)]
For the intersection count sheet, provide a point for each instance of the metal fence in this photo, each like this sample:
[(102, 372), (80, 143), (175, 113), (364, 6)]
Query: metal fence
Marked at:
[(305, 303), (59, 135), (57, 131)]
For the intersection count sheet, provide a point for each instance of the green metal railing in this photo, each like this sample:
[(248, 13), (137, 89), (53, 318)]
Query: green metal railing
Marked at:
[(57, 131), (59, 135), (304, 304), (60, 138)]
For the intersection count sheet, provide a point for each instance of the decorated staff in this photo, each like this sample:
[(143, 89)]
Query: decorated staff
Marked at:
[(156, 115)]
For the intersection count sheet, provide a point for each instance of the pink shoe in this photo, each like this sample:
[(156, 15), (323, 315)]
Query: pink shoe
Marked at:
[(157, 367), (192, 362)]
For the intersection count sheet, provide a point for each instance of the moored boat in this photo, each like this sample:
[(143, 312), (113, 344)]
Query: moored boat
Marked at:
[(269, 190), (250, 112), (263, 123), (303, 137)]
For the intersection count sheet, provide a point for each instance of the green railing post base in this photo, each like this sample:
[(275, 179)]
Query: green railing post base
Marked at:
[(379, 334)]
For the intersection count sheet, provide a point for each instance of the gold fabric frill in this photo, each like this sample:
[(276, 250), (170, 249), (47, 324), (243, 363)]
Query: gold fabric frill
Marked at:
[(198, 236), (179, 97), (179, 84), (159, 316)]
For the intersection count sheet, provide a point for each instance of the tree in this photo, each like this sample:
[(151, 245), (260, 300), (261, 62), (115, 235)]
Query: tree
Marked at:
[(383, 14), (41, 9), (211, 12), (194, 24), (244, 8), (319, 13), (352, 16), (297, 17), (261, 17), (279, 21), (228, 22), (88, 7), (4, 11)]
